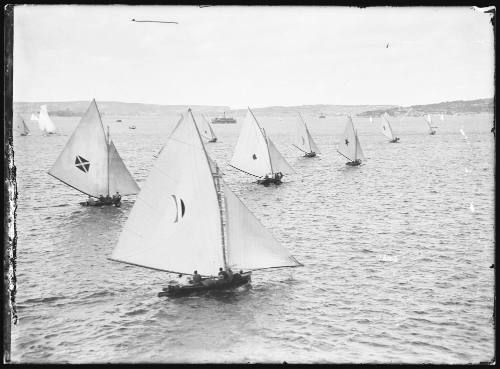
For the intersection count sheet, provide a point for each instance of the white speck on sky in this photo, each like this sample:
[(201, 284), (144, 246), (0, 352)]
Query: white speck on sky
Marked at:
[(252, 56)]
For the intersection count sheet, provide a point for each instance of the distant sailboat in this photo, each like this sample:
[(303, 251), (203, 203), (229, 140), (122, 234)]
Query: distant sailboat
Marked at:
[(387, 129), (21, 126), (305, 143), (442, 117), (91, 164), (44, 122), (371, 119), (322, 115), (256, 154), (186, 218), (349, 146), (207, 131), (428, 120), (33, 118)]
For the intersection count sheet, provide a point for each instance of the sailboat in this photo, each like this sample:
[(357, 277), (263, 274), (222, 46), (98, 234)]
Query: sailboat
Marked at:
[(186, 219), (207, 131), (21, 126), (349, 146), (387, 129), (44, 122), (442, 117), (305, 143), (371, 119), (33, 118), (428, 120), (256, 154), (321, 115), (91, 164)]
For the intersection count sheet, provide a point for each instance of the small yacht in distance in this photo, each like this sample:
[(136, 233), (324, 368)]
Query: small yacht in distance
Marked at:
[(349, 146), (223, 120)]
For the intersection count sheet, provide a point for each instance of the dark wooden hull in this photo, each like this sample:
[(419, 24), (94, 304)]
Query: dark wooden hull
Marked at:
[(100, 203), (214, 140), (396, 139), (310, 155), (353, 163), (266, 182), (178, 291)]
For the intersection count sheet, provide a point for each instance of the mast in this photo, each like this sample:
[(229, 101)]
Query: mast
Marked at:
[(355, 145), (216, 182), (107, 146)]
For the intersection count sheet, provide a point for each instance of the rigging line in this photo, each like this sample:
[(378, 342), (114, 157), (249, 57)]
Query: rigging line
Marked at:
[(344, 156), (300, 149), (152, 21)]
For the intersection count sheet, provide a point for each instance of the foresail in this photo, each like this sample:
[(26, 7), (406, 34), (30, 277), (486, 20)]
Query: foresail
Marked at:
[(250, 245), (359, 151), (250, 153), (313, 144), (120, 179), (175, 223), (347, 141), (278, 162), (83, 162), (44, 120)]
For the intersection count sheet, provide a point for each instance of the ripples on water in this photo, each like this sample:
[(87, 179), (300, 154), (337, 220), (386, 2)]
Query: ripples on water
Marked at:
[(396, 265)]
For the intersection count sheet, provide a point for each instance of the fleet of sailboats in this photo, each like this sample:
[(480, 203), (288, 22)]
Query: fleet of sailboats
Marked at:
[(90, 163), (305, 143), (21, 126), (428, 120), (387, 129), (256, 154), (349, 145), (44, 122), (187, 218)]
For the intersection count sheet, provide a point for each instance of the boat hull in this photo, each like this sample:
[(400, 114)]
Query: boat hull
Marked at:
[(266, 182), (178, 291), (396, 139), (213, 140), (310, 155), (353, 163), (116, 203)]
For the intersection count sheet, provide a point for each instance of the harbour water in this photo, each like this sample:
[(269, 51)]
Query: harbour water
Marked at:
[(396, 259)]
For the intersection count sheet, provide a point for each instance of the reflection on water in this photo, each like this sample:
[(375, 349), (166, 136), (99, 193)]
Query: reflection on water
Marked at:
[(396, 265)]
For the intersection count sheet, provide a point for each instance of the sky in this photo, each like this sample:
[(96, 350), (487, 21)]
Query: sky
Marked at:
[(242, 56)]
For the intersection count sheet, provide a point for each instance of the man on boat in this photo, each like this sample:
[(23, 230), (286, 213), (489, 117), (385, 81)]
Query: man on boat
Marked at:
[(116, 198), (102, 200), (223, 274), (229, 275), (196, 278)]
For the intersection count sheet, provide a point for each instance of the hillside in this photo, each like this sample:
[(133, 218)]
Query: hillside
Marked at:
[(448, 107)]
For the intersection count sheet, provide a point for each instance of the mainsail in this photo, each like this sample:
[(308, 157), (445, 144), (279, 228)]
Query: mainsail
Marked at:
[(177, 222), (349, 145), (90, 163), (255, 153), (44, 122), (305, 142), (386, 127), (206, 129)]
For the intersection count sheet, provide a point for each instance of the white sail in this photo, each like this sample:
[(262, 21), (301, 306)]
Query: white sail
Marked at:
[(21, 126), (33, 118), (89, 164), (206, 129), (120, 179), (251, 153), (305, 141), (278, 162), (44, 122), (386, 128), (250, 245), (359, 151), (442, 117), (428, 120), (371, 119), (349, 145), (175, 224)]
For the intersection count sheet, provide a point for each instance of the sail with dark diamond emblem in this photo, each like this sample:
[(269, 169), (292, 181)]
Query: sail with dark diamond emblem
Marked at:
[(90, 162)]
